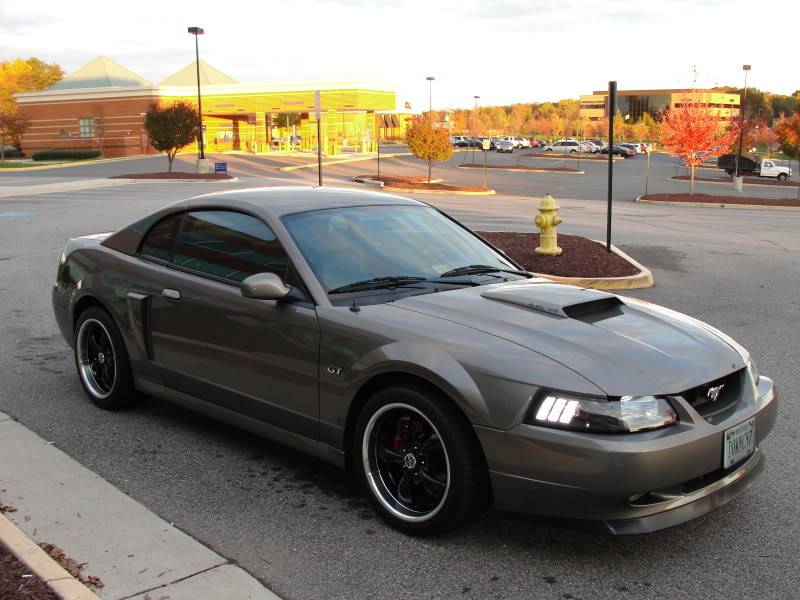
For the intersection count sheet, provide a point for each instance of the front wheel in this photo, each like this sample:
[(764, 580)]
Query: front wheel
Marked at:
[(782, 177), (419, 461)]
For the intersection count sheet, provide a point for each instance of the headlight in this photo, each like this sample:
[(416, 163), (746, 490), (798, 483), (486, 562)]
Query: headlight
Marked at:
[(629, 414), (751, 366)]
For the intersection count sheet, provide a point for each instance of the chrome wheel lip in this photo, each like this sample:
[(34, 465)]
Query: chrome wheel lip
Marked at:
[(88, 378), (376, 483)]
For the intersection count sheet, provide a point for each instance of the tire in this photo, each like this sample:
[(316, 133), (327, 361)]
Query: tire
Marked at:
[(101, 360), (419, 462), (782, 177), (548, 149), (573, 151)]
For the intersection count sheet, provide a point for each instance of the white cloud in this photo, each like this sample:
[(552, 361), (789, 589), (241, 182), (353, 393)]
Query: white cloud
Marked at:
[(502, 50)]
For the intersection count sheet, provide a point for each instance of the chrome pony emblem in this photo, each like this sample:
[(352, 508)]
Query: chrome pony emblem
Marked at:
[(714, 392)]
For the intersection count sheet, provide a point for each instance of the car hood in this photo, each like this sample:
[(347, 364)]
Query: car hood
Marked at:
[(622, 345)]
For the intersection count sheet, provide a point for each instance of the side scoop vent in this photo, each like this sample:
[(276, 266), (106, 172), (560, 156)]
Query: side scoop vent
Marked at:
[(558, 300)]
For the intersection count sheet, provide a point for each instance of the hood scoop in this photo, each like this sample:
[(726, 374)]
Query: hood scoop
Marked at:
[(558, 300)]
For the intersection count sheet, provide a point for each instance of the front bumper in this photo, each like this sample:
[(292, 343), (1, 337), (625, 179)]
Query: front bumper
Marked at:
[(633, 483)]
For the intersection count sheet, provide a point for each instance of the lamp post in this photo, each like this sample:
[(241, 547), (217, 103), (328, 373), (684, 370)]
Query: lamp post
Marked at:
[(737, 182), (430, 99), (612, 111), (474, 114), (201, 167)]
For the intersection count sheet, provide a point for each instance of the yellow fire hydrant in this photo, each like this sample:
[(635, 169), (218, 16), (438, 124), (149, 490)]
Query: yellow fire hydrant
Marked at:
[(547, 220)]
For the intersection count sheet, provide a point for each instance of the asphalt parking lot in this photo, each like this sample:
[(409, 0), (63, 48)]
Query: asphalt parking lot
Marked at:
[(301, 527)]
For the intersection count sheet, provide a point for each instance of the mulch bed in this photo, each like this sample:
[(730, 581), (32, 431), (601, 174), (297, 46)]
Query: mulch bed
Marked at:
[(561, 155), (419, 183), (580, 257), (757, 180), (173, 175), (714, 199), (18, 583), (519, 168)]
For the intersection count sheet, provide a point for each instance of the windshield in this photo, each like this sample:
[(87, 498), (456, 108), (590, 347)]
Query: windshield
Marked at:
[(347, 245)]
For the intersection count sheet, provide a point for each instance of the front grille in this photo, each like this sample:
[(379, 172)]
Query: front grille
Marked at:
[(715, 409)]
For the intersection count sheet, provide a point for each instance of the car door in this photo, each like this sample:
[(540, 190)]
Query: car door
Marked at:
[(258, 358)]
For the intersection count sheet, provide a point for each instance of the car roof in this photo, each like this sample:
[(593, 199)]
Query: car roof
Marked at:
[(271, 203), (281, 201)]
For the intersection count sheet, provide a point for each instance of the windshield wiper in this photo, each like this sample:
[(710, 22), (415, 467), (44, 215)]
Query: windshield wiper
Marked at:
[(377, 283), (478, 269)]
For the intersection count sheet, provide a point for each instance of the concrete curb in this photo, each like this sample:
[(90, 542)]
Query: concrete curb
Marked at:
[(80, 163), (730, 183), (383, 186), (314, 165), (135, 552), (145, 180), (41, 564), (552, 156), (516, 170), (643, 279), (640, 200)]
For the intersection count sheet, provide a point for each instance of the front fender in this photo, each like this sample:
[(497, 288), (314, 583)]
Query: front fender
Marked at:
[(489, 378)]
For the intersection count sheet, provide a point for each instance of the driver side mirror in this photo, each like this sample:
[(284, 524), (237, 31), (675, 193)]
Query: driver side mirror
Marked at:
[(264, 286)]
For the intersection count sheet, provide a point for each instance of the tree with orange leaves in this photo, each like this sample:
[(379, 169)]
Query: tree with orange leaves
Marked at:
[(695, 132), (788, 132)]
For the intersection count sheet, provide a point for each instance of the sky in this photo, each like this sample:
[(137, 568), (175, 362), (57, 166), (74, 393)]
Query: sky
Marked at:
[(505, 51)]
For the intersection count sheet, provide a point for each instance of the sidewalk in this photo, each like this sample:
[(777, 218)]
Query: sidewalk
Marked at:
[(61, 186), (135, 553)]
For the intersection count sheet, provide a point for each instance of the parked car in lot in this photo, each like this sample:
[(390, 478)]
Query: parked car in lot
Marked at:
[(599, 143), (518, 142), (755, 167), (619, 150), (589, 147), (380, 335), (459, 141), (537, 143), (503, 145), (630, 147), (565, 146)]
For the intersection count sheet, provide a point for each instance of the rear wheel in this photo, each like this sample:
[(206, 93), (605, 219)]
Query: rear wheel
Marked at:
[(102, 360), (782, 177), (417, 457)]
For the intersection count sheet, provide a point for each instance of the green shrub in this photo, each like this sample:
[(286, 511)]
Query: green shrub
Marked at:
[(65, 154)]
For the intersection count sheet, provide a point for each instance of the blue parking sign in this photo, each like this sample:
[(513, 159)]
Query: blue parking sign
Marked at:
[(221, 167)]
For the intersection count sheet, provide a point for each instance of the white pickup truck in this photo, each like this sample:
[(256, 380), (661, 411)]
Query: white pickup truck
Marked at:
[(748, 166), (770, 169)]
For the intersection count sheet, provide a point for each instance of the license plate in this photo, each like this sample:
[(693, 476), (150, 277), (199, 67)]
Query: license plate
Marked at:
[(740, 442)]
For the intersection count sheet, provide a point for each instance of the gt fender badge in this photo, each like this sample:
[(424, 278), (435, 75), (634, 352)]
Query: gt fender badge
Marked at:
[(335, 370)]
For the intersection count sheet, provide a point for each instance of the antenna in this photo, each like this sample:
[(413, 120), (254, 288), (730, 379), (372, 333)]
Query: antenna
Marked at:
[(354, 307)]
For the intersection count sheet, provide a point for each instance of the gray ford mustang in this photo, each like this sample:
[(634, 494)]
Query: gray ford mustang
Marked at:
[(379, 334)]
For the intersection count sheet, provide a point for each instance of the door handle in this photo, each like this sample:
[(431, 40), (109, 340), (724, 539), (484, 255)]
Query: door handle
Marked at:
[(171, 294)]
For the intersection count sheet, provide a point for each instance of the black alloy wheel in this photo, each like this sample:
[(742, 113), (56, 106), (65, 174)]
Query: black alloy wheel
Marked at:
[(102, 360), (419, 460)]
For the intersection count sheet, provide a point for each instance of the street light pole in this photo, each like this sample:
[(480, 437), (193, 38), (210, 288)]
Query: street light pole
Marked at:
[(430, 99), (198, 31), (746, 69), (612, 110), (474, 114)]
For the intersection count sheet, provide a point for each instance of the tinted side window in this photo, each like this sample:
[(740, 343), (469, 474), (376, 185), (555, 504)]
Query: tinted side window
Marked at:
[(228, 245), (158, 242)]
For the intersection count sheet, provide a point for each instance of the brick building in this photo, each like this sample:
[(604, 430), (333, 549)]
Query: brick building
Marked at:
[(102, 106), (637, 103)]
